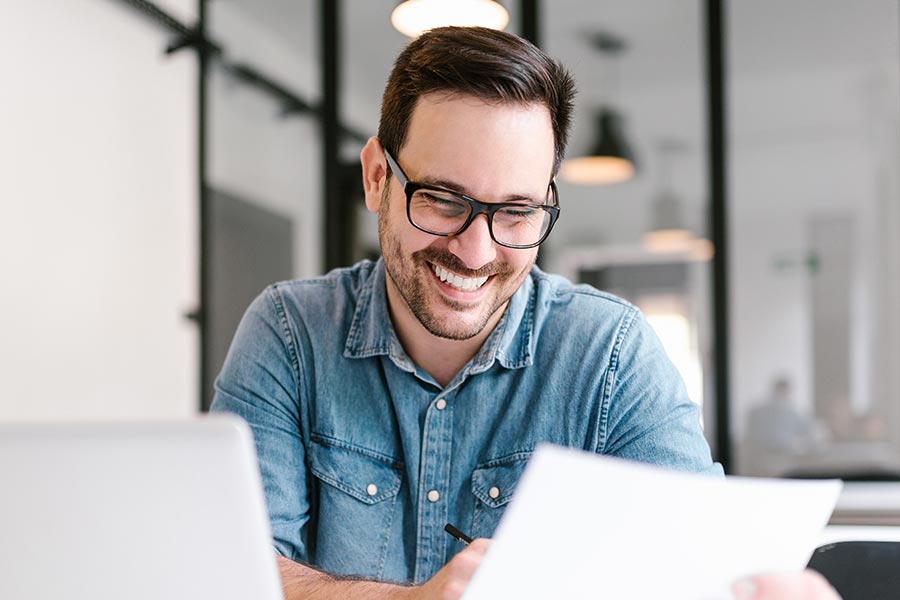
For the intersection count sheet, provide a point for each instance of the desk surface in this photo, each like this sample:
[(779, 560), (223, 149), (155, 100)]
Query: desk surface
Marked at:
[(847, 533)]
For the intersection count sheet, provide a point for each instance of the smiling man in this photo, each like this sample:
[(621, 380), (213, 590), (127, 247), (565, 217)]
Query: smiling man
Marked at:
[(393, 397), (447, 292)]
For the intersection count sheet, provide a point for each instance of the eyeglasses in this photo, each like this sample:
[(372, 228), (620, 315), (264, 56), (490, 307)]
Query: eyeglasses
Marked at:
[(442, 212)]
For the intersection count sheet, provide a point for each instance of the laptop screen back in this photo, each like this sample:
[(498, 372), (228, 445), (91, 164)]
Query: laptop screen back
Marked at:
[(140, 511)]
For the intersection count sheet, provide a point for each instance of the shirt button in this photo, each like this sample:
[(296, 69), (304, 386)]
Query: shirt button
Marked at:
[(371, 489), (441, 404), (494, 492), (433, 496)]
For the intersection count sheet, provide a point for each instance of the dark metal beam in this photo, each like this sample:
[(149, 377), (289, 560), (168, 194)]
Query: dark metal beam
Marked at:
[(291, 103), (202, 317), (336, 244), (159, 16), (529, 20), (529, 28), (716, 106), (192, 37)]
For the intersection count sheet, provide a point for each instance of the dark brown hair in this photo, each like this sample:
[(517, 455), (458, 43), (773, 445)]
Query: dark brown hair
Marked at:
[(475, 61)]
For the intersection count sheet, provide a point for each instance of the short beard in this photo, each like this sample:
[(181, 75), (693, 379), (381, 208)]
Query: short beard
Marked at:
[(414, 294)]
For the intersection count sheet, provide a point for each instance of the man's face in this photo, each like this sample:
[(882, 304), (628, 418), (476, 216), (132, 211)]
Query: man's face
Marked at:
[(457, 286)]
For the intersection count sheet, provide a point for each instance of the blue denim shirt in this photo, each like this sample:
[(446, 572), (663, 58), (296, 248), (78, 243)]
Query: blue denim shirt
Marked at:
[(365, 458)]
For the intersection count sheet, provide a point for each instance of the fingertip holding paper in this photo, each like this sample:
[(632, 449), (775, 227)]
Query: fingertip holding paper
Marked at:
[(591, 526)]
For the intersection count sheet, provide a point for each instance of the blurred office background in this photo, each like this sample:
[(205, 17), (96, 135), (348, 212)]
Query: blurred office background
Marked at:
[(148, 195)]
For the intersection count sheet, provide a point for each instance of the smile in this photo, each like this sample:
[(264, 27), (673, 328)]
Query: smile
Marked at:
[(465, 284)]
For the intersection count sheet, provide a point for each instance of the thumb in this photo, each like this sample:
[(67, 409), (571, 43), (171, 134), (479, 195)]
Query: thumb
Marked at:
[(806, 585)]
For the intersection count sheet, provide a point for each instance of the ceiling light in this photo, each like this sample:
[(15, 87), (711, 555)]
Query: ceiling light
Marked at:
[(668, 241), (668, 232), (416, 16), (610, 159)]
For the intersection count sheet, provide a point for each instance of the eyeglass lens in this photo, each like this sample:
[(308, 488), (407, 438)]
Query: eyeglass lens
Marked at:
[(445, 214)]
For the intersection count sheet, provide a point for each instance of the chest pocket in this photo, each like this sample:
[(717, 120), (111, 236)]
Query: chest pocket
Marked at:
[(357, 497), (493, 484)]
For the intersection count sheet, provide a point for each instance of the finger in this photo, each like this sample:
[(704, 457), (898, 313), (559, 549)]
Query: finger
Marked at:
[(463, 565), (807, 585), (479, 545)]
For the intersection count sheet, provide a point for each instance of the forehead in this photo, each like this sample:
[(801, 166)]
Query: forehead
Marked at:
[(490, 146)]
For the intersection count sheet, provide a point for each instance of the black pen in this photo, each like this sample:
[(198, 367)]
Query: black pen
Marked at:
[(456, 533)]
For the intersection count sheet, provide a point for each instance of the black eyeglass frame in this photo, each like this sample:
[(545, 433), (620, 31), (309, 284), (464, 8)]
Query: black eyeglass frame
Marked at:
[(478, 207)]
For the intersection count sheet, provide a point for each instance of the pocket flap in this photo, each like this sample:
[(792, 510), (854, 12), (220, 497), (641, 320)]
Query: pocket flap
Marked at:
[(495, 481), (366, 479)]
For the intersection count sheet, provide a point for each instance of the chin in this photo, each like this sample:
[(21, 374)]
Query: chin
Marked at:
[(455, 324)]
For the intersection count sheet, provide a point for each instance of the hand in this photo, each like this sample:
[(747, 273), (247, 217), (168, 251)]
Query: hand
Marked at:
[(806, 585), (300, 581), (450, 582)]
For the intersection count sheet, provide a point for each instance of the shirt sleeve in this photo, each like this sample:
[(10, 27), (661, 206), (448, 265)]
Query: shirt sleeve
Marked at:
[(649, 416), (260, 382)]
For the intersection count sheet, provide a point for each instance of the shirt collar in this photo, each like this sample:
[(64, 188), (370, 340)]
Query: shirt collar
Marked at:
[(372, 332)]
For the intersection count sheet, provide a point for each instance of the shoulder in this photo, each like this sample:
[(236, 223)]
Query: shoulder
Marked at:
[(328, 291), (581, 321), (320, 303), (343, 280), (559, 298)]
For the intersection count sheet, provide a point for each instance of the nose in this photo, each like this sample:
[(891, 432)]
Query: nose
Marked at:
[(474, 246)]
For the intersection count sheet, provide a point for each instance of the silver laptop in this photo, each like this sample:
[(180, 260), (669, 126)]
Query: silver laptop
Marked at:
[(161, 511)]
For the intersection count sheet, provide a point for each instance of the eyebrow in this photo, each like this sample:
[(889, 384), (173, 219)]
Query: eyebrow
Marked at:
[(461, 189)]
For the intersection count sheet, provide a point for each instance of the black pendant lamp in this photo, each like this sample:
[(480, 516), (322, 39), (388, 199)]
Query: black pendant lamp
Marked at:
[(610, 159)]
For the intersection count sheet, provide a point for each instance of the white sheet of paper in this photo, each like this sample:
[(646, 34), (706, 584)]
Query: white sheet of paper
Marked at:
[(587, 526)]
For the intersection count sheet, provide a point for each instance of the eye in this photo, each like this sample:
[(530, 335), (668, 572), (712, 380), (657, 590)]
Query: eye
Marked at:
[(524, 212), (439, 203), (442, 200)]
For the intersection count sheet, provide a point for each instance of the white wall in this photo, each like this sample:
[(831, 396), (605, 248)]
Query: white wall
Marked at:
[(98, 228)]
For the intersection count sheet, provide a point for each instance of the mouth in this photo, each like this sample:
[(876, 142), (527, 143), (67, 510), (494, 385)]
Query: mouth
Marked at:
[(465, 284)]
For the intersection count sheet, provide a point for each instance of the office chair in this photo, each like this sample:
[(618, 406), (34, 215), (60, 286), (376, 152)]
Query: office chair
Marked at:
[(860, 570)]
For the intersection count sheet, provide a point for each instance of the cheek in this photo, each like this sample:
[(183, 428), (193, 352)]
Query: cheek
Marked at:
[(394, 225), (519, 260)]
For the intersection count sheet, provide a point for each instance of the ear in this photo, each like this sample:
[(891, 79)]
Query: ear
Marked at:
[(374, 172)]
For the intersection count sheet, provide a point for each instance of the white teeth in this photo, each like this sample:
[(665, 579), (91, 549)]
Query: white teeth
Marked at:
[(461, 283)]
